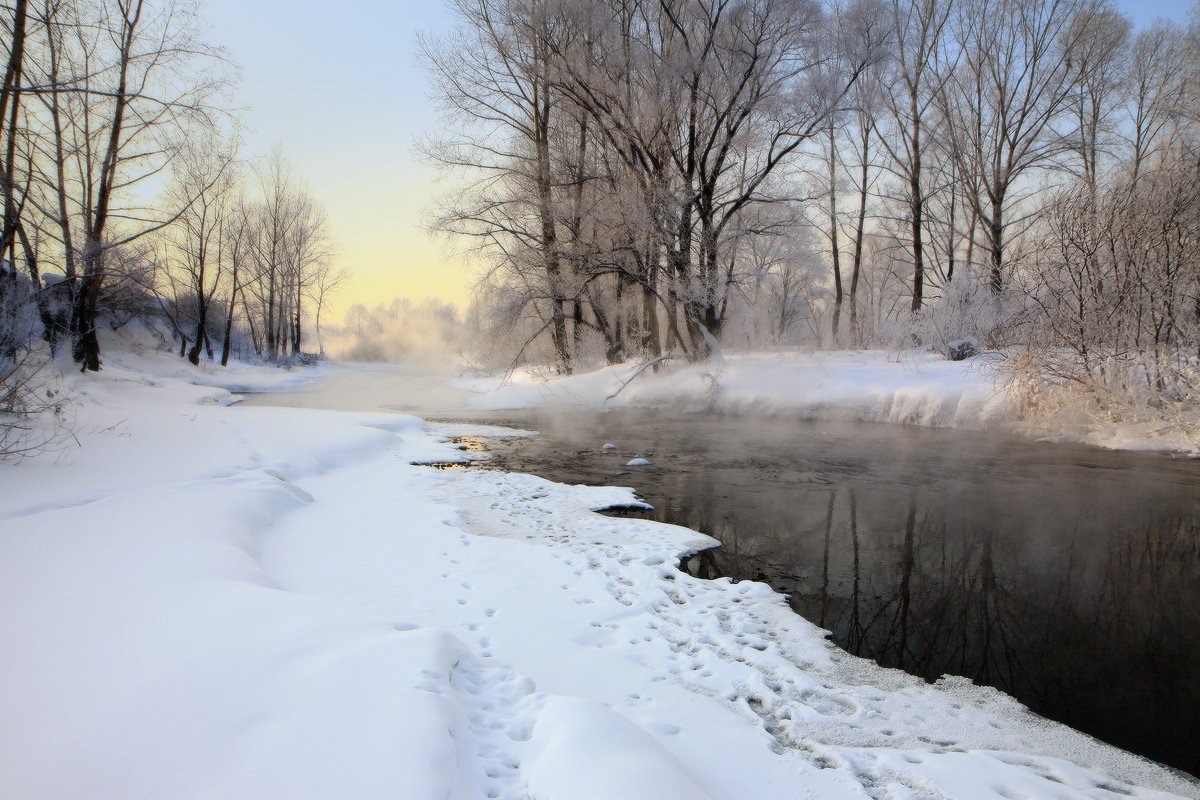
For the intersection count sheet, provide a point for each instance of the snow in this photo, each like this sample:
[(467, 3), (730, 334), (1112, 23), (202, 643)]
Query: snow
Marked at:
[(213, 600), (875, 386), (569, 734), (912, 387)]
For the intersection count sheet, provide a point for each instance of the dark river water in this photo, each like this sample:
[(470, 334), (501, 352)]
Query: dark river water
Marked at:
[(1064, 575)]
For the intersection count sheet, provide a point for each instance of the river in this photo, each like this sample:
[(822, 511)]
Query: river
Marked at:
[(1065, 575)]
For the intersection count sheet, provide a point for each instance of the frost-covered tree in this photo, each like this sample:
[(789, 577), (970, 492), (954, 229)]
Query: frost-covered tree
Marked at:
[(618, 148), (204, 184), (286, 248), (1004, 102)]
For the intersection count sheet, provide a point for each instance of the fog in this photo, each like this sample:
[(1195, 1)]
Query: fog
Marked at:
[(401, 331)]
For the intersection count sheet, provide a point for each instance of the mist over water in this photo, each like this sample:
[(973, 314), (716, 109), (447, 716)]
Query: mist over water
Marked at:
[(399, 332)]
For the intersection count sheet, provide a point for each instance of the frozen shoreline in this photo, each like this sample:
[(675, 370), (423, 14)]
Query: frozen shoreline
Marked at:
[(220, 601), (909, 388)]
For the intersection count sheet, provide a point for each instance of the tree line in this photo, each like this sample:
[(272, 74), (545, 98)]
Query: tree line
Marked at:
[(655, 176), (125, 195)]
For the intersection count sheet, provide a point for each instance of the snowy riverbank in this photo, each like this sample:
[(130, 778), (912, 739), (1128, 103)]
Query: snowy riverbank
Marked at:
[(908, 388), (861, 386), (203, 600)]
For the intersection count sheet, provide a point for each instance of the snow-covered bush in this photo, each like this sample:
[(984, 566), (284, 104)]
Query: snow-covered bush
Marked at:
[(1116, 298), (967, 310), (31, 408)]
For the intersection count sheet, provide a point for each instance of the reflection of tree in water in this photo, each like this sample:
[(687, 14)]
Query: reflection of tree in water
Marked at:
[(1067, 577), (1085, 629)]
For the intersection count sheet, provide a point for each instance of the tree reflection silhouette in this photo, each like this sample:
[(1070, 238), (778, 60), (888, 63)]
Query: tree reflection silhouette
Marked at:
[(1065, 576)]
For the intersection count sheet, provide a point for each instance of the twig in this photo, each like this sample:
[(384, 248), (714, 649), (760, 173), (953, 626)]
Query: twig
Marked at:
[(639, 371)]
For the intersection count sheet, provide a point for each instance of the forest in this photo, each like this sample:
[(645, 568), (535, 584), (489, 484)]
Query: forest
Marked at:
[(126, 197), (638, 181), (646, 180)]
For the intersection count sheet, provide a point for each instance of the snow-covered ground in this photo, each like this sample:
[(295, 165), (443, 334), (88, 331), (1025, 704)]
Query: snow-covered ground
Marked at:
[(909, 388), (866, 386), (212, 601)]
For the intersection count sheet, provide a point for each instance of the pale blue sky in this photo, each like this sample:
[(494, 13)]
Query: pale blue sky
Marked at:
[(341, 86), (1144, 13)]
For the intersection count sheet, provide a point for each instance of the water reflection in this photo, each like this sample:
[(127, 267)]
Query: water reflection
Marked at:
[(1093, 627), (1067, 577)]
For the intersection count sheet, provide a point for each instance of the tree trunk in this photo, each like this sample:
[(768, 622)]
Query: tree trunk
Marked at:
[(9, 93), (834, 242), (85, 348), (270, 331), (258, 350), (549, 235), (225, 344), (577, 324), (86, 345), (859, 234), (996, 227), (198, 339), (49, 325), (651, 336), (917, 208)]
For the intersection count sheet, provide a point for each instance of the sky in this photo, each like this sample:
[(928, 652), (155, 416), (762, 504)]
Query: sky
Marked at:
[(343, 90), (341, 87)]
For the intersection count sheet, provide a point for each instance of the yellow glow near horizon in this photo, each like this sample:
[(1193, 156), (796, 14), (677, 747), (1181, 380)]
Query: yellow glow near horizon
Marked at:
[(382, 245), (348, 100)]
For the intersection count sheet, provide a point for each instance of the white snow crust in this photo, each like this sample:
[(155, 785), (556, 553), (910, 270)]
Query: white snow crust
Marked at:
[(870, 386), (909, 388), (213, 601)]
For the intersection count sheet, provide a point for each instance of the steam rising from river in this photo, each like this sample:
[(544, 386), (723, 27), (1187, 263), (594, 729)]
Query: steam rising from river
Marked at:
[(400, 332)]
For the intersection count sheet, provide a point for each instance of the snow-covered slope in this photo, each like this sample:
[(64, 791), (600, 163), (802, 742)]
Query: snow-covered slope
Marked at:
[(869, 386), (908, 388), (212, 601)]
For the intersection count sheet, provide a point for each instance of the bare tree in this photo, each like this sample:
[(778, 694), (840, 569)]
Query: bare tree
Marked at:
[(204, 184), (142, 77), (917, 33), (235, 244), (1158, 91), (16, 25), (495, 73), (1100, 62), (1117, 290), (326, 280), (834, 228), (286, 245), (1002, 100), (704, 104)]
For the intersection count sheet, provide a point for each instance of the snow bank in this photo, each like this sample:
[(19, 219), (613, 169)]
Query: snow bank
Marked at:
[(205, 600), (873, 386), (910, 388), (582, 750)]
